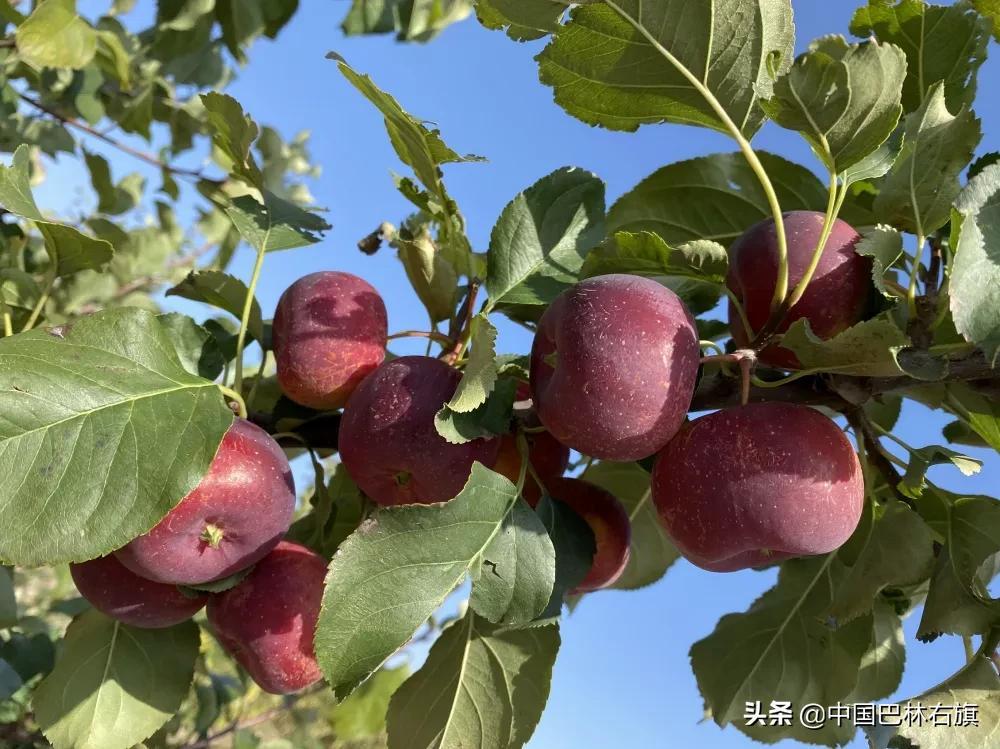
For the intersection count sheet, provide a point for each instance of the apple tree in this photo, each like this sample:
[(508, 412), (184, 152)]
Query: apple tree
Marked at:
[(165, 585)]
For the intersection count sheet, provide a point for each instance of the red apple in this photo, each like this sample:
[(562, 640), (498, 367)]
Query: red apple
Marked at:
[(268, 620), (329, 332), (613, 367), (236, 515), (610, 524), (388, 441), (118, 592), (752, 485), (836, 298)]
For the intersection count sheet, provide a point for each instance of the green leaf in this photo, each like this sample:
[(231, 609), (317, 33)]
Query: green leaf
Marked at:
[(113, 59), (8, 600), (629, 63), (542, 236), (942, 43), (103, 432), (488, 420), (921, 459), (867, 349), (917, 193), (362, 715), (874, 165), (480, 374), (396, 569), (575, 546), (276, 224), (54, 36), (416, 145), (713, 198), (991, 10), (481, 688), (957, 601), (647, 254), (975, 275), (884, 245), (71, 251), (652, 551), (978, 412), (198, 349), (233, 133), (114, 685), (515, 579), (893, 546), (788, 643), (523, 20), (843, 98), (222, 291), (977, 684), (410, 20), (113, 199)]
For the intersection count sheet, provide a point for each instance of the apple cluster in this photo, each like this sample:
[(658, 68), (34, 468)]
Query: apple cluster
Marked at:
[(613, 370)]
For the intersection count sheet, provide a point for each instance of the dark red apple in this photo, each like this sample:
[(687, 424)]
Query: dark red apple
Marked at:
[(610, 524), (613, 367), (237, 514), (836, 298), (118, 592), (751, 485), (388, 441), (268, 620), (548, 457), (329, 332)]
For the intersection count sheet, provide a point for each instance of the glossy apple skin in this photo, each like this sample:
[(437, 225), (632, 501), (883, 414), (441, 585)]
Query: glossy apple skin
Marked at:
[(752, 485), (837, 296), (248, 494), (268, 620), (388, 441), (608, 520), (626, 359), (330, 331), (547, 456), (116, 591)]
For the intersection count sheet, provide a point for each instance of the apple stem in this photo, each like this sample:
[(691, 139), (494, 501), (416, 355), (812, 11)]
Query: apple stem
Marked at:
[(746, 359), (432, 335), (235, 398), (212, 535)]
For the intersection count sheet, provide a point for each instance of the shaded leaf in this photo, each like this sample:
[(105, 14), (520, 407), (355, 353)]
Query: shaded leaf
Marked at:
[(866, 349), (490, 419), (575, 546), (480, 373), (276, 224), (646, 254), (523, 20), (410, 20), (923, 458), (884, 245), (224, 292), (114, 685)]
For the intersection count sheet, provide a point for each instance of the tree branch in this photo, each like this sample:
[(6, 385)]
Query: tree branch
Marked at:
[(123, 147)]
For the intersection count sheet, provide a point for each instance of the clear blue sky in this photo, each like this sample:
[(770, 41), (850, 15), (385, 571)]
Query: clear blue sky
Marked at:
[(623, 678)]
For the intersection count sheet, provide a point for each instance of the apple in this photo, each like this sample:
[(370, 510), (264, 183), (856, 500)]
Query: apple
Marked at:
[(388, 441), (836, 298), (116, 591), (330, 330), (268, 620), (613, 367), (237, 514), (752, 485), (607, 519)]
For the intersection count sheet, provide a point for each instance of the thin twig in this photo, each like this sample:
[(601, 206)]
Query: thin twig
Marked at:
[(460, 327), (134, 152)]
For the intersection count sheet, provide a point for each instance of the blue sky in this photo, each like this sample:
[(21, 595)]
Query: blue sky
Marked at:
[(623, 678)]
